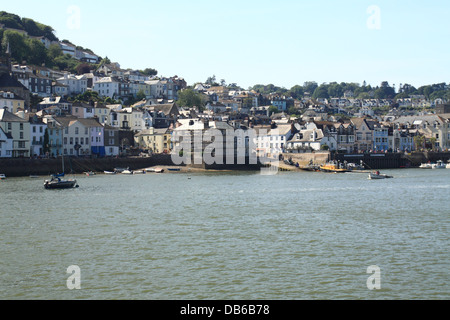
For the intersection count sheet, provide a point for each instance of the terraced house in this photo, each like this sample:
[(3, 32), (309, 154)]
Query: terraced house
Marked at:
[(19, 129)]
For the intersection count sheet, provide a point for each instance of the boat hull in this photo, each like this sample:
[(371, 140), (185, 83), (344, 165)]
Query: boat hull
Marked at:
[(379, 176), (66, 184)]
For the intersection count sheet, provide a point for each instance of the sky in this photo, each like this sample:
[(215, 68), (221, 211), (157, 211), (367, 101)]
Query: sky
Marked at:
[(247, 42)]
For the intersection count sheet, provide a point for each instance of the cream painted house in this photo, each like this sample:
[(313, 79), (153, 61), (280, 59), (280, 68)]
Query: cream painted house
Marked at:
[(11, 101), (19, 129), (156, 141)]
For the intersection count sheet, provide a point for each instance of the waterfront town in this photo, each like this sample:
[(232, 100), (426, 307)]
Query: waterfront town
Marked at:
[(108, 111)]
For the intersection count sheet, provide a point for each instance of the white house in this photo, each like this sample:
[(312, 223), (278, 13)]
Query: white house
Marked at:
[(275, 141), (76, 84), (156, 88), (6, 144), (306, 140), (107, 87), (37, 133)]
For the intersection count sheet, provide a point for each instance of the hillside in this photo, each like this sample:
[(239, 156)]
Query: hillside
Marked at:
[(22, 36), (33, 28)]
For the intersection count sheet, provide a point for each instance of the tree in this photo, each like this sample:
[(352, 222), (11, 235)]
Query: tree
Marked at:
[(141, 95), (310, 86), (190, 99), (83, 68), (46, 147), (385, 91), (54, 51), (212, 81), (321, 92), (296, 92), (38, 53), (149, 72), (273, 110)]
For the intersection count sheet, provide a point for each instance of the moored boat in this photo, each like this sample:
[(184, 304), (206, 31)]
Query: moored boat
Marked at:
[(378, 176), (333, 168), (448, 165), (58, 183), (127, 172), (438, 165), (2, 176), (90, 173), (426, 166), (109, 172)]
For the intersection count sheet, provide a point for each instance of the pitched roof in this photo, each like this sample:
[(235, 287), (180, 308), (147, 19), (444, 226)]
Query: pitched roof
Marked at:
[(6, 116), (6, 81)]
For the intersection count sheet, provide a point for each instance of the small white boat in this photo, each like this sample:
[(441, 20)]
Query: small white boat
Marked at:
[(127, 172), (378, 176), (426, 166), (109, 172), (448, 165), (155, 170), (438, 165), (139, 172), (2, 176)]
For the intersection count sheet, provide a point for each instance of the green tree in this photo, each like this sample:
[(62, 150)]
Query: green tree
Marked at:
[(321, 92), (310, 86), (37, 54), (46, 147), (385, 91), (17, 44), (149, 72), (190, 99), (296, 92), (54, 51), (273, 110), (141, 95)]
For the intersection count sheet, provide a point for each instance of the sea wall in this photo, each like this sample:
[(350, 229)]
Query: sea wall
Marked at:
[(303, 159), (26, 167), (417, 158)]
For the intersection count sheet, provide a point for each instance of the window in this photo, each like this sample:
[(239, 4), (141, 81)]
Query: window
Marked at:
[(76, 130)]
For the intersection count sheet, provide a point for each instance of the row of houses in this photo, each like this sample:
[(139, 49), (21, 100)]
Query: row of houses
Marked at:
[(108, 80), (108, 130)]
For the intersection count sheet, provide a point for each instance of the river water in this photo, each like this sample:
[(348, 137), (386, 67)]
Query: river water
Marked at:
[(227, 236)]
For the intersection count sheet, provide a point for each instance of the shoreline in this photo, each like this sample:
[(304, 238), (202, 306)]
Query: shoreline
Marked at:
[(26, 167)]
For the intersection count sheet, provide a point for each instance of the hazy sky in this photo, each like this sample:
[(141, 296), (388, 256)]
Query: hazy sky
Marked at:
[(284, 42)]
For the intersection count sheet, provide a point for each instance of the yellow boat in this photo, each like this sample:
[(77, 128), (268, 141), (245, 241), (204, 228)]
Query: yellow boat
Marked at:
[(332, 168)]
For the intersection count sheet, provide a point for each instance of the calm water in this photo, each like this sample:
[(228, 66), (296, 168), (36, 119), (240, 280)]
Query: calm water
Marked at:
[(228, 236)]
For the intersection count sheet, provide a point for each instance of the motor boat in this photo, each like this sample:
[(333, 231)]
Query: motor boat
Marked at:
[(58, 183), (378, 176)]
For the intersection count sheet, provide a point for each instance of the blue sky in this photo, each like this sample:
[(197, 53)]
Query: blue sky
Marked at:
[(283, 42)]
